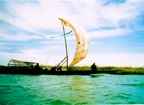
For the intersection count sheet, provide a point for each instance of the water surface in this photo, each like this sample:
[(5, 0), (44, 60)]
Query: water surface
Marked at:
[(74, 89)]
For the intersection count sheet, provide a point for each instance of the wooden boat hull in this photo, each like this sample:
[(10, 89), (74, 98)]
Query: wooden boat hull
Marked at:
[(24, 70)]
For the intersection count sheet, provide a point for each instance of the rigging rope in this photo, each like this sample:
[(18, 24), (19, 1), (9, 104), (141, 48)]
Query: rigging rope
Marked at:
[(52, 47)]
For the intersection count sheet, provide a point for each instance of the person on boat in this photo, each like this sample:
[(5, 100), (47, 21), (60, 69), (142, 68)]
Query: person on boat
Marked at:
[(53, 69), (31, 67), (93, 67), (60, 68), (37, 67)]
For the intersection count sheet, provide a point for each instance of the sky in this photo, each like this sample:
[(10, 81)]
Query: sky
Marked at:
[(115, 29)]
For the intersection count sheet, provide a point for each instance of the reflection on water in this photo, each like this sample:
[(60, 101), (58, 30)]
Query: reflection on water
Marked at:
[(67, 90)]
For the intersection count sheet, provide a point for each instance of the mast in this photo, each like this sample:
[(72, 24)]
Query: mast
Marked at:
[(65, 45), (82, 41)]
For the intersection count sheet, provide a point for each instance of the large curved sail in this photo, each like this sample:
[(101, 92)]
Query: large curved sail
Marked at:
[(81, 41)]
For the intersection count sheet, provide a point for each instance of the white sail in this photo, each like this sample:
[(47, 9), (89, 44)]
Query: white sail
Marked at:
[(81, 40)]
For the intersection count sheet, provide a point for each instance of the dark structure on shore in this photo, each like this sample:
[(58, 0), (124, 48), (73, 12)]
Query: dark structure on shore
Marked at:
[(18, 63), (20, 67)]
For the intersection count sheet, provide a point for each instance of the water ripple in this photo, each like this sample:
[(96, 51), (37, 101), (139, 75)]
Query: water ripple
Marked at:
[(68, 90)]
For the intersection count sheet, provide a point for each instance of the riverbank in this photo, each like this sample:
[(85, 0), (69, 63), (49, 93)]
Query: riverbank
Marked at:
[(76, 70), (113, 69)]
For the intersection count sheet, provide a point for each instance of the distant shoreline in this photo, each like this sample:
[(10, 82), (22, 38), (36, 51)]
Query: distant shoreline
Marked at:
[(76, 70)]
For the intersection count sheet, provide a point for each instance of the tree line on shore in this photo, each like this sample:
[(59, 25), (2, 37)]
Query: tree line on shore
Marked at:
[(127, 69)]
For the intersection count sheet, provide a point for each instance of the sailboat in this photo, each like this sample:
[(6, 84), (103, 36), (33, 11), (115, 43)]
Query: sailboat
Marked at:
[(81, 52), (82, 43)]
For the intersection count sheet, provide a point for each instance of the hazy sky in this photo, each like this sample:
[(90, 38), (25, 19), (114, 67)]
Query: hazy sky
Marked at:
[(115, 29)]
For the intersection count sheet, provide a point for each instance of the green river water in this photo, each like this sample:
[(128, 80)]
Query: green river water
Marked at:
[(71, 90)]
